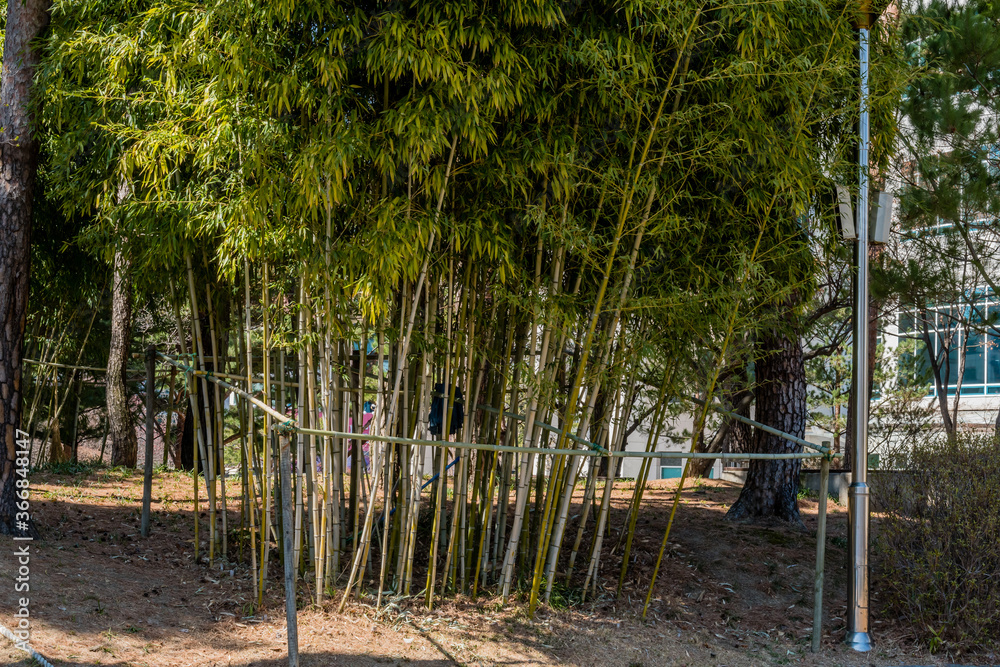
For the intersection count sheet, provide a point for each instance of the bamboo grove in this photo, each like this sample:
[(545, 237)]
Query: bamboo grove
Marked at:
[(522, 224)]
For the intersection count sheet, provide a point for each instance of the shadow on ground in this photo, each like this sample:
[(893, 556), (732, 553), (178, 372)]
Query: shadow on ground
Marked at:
[(104, 595)]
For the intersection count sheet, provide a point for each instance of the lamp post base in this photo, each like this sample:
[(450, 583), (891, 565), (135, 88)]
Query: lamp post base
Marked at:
[(859, 641)]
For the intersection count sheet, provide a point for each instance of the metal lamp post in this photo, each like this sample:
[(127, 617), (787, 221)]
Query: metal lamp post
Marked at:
[(859, 508)]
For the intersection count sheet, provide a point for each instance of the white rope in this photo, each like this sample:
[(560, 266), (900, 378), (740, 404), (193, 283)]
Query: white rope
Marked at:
[(21, 645)]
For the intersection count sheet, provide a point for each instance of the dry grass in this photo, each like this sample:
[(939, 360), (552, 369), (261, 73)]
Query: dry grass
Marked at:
[(728, 595)]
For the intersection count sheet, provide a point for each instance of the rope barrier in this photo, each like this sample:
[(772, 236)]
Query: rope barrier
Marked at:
[(762, 427), (287, 424), (547, 427), (66, 366), (24, 647), (282, 419), (93, 369)]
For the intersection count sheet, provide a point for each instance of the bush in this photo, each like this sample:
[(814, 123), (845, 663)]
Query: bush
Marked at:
[(936, 549)]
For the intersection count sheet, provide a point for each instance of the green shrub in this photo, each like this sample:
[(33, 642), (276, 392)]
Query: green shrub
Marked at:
[(936, 549)]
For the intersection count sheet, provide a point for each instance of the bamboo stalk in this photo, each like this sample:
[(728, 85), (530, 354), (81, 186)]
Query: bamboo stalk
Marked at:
[(206, 445), (400, 364), (324, 484), (588, 496), (478, 555), (376, 418), (336, 401), (298, 477), (423, 273), (442, 456), (195, 430), (453, 540), (249, 478), (291, 613), (218, 449), (167, 427), (466, 538), (422, 406), (654, 435), (373, 455), (266, 472), (595, 556), (359, 554), (314, 484), (356, 457), (509, 461), (527, 462), (198, 446)]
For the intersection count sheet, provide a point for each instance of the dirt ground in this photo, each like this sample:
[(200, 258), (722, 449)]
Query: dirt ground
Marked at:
[(728, 594)]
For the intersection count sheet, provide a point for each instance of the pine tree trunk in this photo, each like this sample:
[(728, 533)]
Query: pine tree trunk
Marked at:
[(739, 438), (772, 487), (18, 166), (124, 446)]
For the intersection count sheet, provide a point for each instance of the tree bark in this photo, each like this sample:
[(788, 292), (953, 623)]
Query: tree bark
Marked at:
[(124, 446), (26, 19), (739, 438), (772, 487)]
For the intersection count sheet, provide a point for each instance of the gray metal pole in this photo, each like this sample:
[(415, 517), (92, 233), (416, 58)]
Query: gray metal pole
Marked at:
[(857, 608), (147, 478), (288, 529), (824, 488)]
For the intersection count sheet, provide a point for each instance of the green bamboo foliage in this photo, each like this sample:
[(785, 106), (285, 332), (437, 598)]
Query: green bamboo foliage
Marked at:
[(557, 210)]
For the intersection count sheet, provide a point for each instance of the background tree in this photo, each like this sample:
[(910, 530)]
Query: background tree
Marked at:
[(948, 170), (124, 445), (18, 164)]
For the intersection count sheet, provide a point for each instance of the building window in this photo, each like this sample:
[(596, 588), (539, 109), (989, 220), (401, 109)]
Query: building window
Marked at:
[(956, 329)]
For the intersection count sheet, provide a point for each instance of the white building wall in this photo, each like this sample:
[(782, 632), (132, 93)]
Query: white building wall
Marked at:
[(672, 443)]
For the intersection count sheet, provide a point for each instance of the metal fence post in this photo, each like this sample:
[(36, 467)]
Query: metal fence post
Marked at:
[(288, 531), (147, 480)]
